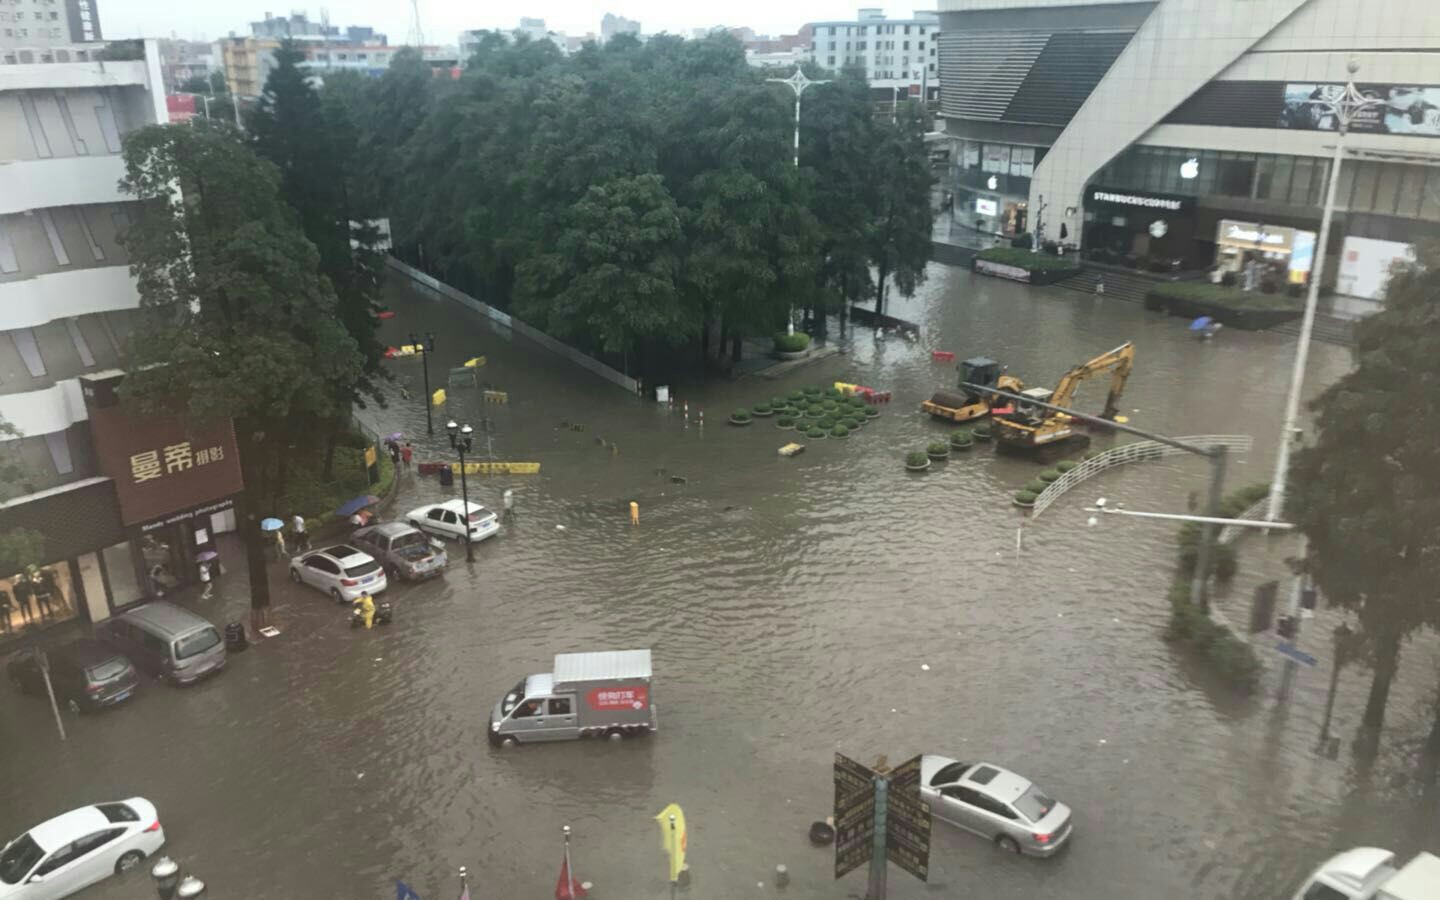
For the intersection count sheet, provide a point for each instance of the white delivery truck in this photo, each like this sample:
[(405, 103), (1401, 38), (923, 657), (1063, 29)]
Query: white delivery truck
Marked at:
[(584, 695), (1369, 873)]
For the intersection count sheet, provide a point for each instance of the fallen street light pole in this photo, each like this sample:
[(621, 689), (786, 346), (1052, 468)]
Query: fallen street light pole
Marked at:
[(1217, 455), (1102, 507)]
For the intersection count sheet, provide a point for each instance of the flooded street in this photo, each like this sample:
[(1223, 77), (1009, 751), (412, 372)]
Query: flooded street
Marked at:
[(790, 605)]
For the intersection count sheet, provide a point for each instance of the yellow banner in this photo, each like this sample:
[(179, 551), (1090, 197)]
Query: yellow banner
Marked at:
[(438, 397), (498, 468), (673, 838), (369, 457)]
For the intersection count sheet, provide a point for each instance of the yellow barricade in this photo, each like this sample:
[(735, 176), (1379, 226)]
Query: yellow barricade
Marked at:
[(405, 350), (846, 389), (498, 468), (475, 363), (438, 397)]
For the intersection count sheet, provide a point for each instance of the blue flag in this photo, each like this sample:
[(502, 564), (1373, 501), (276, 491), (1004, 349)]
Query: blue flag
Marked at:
[(403, 892)]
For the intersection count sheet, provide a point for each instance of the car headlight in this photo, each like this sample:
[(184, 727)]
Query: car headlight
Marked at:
[(494, 726)]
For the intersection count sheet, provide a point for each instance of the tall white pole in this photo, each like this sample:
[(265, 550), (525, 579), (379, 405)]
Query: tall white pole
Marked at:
[(797, 129)]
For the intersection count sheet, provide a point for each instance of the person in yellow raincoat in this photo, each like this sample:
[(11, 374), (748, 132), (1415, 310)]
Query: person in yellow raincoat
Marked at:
[(367, 608)]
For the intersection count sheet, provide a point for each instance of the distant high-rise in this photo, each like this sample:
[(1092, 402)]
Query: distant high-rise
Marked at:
[(611, 25), (26, 24)]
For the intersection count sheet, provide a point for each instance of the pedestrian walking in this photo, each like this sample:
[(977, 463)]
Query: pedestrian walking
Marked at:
[(405, 453), (205, 580), (302, 538), (394, 453), (509, 501), (279, 544)]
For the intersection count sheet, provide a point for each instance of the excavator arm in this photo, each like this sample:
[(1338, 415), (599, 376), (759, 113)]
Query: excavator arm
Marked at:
[(1117, 362)]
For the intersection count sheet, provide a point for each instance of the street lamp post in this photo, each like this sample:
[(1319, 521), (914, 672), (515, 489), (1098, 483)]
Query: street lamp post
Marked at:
[(798, 83), (1345, 106), (424, 350), (461, 438), (166, 874)]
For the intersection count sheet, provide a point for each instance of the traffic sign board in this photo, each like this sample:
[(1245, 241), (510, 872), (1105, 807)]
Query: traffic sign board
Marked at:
[(1285, 648), (854, 815), (907, 823)]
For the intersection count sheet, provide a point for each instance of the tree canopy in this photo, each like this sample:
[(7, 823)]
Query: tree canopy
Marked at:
[(538, 181)]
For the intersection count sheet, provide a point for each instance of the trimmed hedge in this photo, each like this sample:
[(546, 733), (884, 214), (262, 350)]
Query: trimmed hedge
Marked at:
[(1024, 259), (792, 343), (839, 431), (1227, 297), (1036, 486), (916, 458), (1065, 465), (1026, 498), (1049, 475), (761, 409), (785, 422), (815, 433)]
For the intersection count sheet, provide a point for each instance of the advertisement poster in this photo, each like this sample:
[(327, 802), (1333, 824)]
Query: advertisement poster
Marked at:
[(636, 698), (1400, 109), (1365, 265)]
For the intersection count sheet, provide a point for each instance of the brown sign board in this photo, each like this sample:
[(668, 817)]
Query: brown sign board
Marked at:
[(854, 815), (907, 821), (158, 465)]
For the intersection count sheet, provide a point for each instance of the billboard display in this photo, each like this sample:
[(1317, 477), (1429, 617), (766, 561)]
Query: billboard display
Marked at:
[(1400, 109), (1365, 265)]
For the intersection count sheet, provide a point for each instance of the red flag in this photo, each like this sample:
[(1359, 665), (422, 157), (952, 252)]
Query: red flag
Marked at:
[(567, 888)]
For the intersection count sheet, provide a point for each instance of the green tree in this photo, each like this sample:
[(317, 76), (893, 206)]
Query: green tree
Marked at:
[(902, 220), (613, 271), (236, 320), (19, 547), (1366, 493)]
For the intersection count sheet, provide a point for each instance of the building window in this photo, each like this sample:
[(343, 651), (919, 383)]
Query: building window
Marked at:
[(1237, 175), (830, 61), (832, 45), (919, 45), (907, 29), (904, 45), (82, 346), (29, 351), (59, 449), (1412, 191), (832, 31)]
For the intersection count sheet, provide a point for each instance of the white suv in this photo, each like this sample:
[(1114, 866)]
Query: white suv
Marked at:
[(341, 571)]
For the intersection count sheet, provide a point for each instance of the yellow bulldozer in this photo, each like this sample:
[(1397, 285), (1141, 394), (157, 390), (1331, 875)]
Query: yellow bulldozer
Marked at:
[(966, 403), (1027, 428)]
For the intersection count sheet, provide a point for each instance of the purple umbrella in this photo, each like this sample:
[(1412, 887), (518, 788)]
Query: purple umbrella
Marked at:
[(206, 555), (394, 435)]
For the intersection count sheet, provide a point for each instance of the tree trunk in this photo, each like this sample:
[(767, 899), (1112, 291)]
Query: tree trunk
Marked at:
[(1387, 660), (880, 289), (332, 440), (735, 348)]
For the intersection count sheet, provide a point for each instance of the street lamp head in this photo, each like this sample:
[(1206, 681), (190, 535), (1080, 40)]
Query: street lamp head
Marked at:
[(467, 431), (451, 426), (190, 888)]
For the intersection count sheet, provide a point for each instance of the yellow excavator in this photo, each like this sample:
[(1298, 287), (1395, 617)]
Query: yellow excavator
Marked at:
[(967, 403), (1027, 427)]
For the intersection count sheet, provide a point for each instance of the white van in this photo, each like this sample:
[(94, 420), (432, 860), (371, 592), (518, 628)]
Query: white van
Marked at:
[(584, 695)]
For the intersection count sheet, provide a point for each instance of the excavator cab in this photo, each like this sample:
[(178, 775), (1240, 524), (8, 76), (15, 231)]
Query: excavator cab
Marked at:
[(979, 370)]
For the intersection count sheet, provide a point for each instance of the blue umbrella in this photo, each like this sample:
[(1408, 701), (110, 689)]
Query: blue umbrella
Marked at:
[(1201, 323), (350, 507), (271, 524)]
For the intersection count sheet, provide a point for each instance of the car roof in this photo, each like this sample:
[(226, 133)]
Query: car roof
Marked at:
[(389, 529), (1354, 867), (345, 553), (67, 827), (1004, 785), (457, 505), (87, 652), (166, 616)]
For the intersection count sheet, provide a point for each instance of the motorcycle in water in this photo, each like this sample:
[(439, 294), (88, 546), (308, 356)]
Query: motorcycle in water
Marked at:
[(383, 615)]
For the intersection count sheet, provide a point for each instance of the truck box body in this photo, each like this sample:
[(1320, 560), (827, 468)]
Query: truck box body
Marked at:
[(585, 695)]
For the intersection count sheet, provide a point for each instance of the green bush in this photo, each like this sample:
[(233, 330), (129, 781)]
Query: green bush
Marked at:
[(851, 422), (812, 391), (962, 441), (814, 411), (830, 403), (1026, 498), (785, 422), (826, 422), (958, 434), (740, 415), (839, 431), (916, 458), (1220, 295), (1036, 486), (777, 403), (981, 431), (1024, 259), (1049, 475), (815, 433), (855, 402), (1065, 465), (761, 409), (795, 396), (833, 393), (792, 343), (938, 448), (871, 412), (1232, 659)]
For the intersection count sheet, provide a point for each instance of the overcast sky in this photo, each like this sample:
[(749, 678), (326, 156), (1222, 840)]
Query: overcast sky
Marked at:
[(443, 20)]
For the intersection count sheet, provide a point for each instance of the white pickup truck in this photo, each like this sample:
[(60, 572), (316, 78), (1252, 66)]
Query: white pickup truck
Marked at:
[(1369, 873)]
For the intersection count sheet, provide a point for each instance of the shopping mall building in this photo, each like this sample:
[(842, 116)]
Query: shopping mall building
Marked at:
[(1182, 134)]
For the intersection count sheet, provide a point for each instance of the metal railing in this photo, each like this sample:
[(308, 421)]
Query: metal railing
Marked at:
[(1139, 451), (1230, 533)]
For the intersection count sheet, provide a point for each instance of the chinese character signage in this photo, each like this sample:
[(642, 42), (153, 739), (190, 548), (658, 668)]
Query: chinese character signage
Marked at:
[(158, 465), (612, 698), (1397, 109)]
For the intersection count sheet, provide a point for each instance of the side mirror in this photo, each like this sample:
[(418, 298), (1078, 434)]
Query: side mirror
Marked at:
[(35, 879)]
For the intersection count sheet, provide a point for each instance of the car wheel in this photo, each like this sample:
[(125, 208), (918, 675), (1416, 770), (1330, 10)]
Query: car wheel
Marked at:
[(615, 734), (508, 741), (73, 705), (129, 861), (1008, 844), (335, 592), (295, 575)]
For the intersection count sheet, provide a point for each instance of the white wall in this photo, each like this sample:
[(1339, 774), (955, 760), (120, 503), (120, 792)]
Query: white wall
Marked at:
[(73, 181), (57, 76), (46, 411), (35, 301)]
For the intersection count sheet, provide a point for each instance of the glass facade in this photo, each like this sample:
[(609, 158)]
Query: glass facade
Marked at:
[(1366, 186)]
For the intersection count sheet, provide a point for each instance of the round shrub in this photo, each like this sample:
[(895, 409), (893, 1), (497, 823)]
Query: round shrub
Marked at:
[(839, 431), (937, 448), (740, 416), (761, 409), (792, 343), (855, 403), (1036, 486), (776, 403), (826, 422), (1026, 498), (851, 422), (1049, 475), (815, 433), (959, 434), (830, 403), (812, 391), (814, 411), (1066, 465), (916, 458), (961, 441), (981, 432), (795, 396), (785, 422), (871, 412), (833, 393)]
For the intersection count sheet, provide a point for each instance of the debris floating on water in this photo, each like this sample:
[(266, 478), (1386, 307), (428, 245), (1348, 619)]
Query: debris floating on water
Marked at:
[(924, 667)]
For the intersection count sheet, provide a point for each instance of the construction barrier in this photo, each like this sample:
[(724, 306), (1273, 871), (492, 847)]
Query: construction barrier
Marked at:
[(437, 398), (942, 356), (475, 363), (497, 397), (498, 468), (433, 468), (846, 389)]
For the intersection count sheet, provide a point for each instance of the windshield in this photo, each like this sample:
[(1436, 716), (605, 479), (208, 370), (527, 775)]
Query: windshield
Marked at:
[(107, 670), (196, 642), (1033, 804), (479, 514), (512, 699), (949, 774), (19, 858), (364, 568)]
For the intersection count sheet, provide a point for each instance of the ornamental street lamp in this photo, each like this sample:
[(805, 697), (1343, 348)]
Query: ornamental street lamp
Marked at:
[(798, 83), (166, 874), (425, 350), (461, 438)]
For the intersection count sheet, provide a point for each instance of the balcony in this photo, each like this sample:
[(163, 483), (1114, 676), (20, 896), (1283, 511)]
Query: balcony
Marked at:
[(58, 295), (47, 410), (68, 181), (61, 75)]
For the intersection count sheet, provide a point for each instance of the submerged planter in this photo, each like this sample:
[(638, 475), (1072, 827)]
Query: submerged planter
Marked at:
[(917, 468), (735, 421)]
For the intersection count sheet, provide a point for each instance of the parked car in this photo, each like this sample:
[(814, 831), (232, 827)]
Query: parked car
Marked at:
[(342, 571), (994, 803), (1369, 873), (73, 851), (403, 550), (86, 674), (448, 520), (166, 640)]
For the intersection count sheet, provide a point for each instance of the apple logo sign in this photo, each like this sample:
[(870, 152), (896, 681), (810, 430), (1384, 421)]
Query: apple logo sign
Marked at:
[(1190, 168), (993, 183)]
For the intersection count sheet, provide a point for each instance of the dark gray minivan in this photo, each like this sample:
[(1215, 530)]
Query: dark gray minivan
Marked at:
[(167, 640)]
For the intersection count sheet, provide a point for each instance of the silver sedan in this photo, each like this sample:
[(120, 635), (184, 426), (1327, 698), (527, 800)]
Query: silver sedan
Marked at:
[(994, 803)]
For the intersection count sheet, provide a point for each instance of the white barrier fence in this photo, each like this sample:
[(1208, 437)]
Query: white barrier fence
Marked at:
[(1139, 451)]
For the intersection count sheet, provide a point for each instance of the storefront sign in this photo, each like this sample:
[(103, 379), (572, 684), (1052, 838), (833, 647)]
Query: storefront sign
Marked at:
[(1254, 236), (1139, 200), (986, 207), (1400, 109), (1000, 270), (204, 509)]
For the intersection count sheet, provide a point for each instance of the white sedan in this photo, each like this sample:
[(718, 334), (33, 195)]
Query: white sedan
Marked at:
[(73, 851), (448, 520)]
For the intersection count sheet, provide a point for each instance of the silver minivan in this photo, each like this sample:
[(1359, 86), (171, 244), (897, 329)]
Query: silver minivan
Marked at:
[(168, 641)]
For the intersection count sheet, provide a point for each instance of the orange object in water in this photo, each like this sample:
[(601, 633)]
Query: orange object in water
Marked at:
[(942, 356)]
